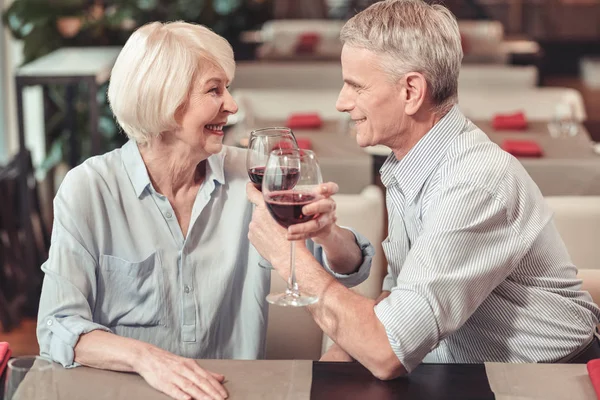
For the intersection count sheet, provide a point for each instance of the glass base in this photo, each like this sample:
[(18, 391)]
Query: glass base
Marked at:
[(292, 299)]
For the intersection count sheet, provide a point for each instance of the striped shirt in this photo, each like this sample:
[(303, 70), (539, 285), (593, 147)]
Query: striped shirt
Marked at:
[(476, 268)]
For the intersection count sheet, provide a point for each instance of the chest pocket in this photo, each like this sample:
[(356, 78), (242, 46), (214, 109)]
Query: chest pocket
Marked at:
[(130, 293)]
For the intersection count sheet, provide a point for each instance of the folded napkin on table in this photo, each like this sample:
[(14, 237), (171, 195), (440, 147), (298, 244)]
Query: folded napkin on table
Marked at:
[(304, 121), (4, 356), (304, 143), (593, 368), (516, 121), (307, 43), (522, 148)]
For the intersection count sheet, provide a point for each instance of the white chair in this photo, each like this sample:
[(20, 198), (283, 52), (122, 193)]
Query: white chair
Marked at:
[(591, 282), (482, 41), (366, 214), (537, 103), (288, 75), (281, 37), (496, 76), (578, 221), (291, 332)]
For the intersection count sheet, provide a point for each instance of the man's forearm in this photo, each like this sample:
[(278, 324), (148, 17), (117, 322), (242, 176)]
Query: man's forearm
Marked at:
[(347, 318), (342, 251), (105, 350)]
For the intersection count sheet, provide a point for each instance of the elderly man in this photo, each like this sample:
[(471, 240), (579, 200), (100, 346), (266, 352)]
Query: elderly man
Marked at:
[(477, 270)]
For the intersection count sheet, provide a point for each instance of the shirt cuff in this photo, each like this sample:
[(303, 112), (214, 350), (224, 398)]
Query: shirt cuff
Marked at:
[(361, 275), (59, 336), (410, 325)]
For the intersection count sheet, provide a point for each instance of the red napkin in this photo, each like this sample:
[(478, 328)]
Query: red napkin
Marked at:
[(304, 143), (516, 121), (593, 367), (304, 121), (522, 148), (4, 356), (284, 144), (307, 43)]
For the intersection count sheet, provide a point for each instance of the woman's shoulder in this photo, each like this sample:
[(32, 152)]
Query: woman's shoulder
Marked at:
[(95, 172)]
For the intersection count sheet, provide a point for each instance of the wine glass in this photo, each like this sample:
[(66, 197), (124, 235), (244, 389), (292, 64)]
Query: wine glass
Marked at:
[(261, 143), (564, 123), (16, 382), (290, 182)]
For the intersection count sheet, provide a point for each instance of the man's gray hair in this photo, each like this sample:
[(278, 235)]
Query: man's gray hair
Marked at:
[(412, 36)]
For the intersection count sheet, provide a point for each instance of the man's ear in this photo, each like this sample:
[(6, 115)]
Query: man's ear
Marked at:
[(414, 91)]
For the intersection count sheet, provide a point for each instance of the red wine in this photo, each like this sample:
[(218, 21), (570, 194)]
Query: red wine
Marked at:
[(286, 208), (256, 176), (286, 180)]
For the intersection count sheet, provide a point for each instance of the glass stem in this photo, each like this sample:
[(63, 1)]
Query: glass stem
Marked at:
[(292, 285)]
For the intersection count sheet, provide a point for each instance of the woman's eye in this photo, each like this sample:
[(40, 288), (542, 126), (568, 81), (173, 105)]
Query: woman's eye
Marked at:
[(213, 90)]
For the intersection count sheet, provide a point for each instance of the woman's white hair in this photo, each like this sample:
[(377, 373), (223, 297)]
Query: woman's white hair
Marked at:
[(412, 36), (155, 71)]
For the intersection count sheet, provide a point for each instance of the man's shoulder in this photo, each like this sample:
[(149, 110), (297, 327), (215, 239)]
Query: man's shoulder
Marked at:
[(474, 159)]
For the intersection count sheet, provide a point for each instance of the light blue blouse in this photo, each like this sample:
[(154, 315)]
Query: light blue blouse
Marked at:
[(119, 262)]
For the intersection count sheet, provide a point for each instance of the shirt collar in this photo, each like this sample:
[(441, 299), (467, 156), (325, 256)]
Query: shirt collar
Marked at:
[(411, 172), (138, 174)]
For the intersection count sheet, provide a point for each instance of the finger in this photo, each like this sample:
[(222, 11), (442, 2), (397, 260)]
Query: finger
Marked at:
[(215, 385), (212, 392), (175, 392), (217, 376), (312, 226), (328, 189), (254, 195), (195, 389), (319, 207)]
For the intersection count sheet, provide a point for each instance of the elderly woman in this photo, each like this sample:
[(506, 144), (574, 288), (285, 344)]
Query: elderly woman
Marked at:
[(150, 264)]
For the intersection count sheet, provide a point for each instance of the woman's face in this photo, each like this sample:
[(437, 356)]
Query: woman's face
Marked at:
[(202, 119)]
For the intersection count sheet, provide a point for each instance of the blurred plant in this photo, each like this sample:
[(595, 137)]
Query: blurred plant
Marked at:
[(46, 25)]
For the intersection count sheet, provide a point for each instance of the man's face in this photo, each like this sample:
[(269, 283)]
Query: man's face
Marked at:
[(373, 101)]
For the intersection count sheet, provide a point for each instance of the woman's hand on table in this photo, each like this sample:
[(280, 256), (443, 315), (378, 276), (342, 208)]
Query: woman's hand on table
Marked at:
[(179, 377)]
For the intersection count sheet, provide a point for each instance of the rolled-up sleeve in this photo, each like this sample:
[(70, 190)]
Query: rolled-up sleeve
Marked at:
[(69, 288), (452, 267), (349, 280)]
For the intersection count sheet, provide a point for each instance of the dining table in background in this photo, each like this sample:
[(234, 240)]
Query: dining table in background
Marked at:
[(341, 159), (569, 165)]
